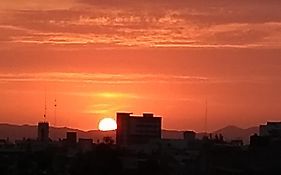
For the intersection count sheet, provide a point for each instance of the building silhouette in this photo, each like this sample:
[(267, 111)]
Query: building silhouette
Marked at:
[(271, 129), (71, 138), (85, 145), (269, 136), (189, 135), (43, 132), (137, 129)]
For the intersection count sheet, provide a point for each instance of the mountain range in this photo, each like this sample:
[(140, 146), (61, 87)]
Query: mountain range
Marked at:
[(17, 132)]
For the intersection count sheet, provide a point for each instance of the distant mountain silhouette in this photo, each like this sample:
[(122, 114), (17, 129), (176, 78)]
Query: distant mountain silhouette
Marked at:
[(172, 134), (230, 133), (16, 132), (234, 132)]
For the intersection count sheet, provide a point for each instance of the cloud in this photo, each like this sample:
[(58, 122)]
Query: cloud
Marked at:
[(125, 79), (216, 10), (36, 4), (99, 78), (124, 23)]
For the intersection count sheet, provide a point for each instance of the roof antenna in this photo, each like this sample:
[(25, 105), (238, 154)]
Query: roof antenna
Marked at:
[(55, 112), (45, 109), (55, 105), (206, 117)]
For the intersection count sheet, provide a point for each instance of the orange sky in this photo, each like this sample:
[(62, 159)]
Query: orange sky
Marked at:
[(167, 57)]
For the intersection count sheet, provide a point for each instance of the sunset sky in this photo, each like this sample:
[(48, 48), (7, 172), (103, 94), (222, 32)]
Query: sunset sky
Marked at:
[(97, 57)]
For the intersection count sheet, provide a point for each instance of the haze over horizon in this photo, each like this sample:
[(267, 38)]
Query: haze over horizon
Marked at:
[(99, 57)]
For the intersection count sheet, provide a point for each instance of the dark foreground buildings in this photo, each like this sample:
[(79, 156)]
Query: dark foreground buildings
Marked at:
[(140, 150), (134, 129)]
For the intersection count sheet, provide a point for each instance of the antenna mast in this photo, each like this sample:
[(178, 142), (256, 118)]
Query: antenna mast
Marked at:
[(55, 105), (55, 112), (206, 117), (45, 108)]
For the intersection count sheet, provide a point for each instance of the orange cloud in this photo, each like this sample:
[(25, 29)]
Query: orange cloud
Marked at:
[(99, 78), (179, 24)]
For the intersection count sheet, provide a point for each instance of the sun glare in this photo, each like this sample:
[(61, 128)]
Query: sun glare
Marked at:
[(107, 124)]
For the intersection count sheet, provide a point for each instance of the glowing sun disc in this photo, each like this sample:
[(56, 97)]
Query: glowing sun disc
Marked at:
[(107, 124)]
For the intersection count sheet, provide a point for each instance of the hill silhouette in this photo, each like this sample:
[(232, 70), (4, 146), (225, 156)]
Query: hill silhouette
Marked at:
[(234, 132), (17, 132)]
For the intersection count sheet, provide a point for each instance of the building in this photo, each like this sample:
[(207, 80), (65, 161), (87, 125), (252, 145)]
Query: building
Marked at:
[(272, 129), (135, 129), (85, 145), (71, 138), (269, 135), (189, 135), (259, 141), (43, 132)]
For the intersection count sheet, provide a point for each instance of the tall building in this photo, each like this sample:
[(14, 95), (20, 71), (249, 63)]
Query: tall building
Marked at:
[(271, 129), (43, 131), (137, 129)]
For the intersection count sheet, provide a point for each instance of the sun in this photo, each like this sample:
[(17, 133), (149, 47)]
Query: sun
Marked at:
[(107, 124)]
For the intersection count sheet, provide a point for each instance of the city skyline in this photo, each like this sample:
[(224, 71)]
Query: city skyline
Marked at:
[(96, 58)]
